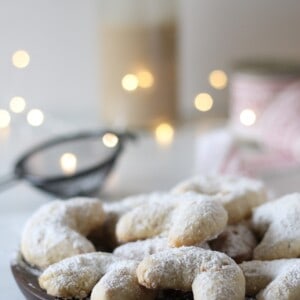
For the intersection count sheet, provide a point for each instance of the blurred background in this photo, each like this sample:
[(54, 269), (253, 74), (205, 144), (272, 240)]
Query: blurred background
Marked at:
[(157, 66), (222, 77), (63, 41)]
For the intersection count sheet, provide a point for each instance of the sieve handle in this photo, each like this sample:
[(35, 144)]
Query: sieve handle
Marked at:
[(7, 181)]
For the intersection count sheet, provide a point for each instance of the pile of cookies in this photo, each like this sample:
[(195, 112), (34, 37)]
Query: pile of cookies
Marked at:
[(209, 238)]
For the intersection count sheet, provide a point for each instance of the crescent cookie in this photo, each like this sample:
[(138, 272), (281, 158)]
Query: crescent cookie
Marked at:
[(119, 208), (58, 230), (209, 274), (140, 249), (113, 212), (270, 280), (237, 241), (238, 194), (105, 275), (186, 219), (278, 224)]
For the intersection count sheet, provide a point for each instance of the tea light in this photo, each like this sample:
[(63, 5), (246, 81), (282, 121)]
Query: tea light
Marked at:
[(68, 163)]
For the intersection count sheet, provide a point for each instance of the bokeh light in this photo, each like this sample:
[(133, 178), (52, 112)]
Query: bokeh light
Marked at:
[(203, 102), (164, 134), (35, 117), (68, 163), (248, 117), (17, 104), (110, 140), (145, 79), (4, 118), (130, 82), (20, 59), (218, 79)]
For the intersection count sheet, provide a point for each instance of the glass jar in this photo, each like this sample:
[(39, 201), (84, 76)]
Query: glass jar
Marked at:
[(138, 62)]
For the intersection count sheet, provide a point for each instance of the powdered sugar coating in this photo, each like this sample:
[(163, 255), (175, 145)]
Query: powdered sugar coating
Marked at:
[(121, 282), (77, 276), (237, 241), (278, 223), (276, 279), (210, 274), (57, 230), (238, 194), (119, 208), (185, 219), (140, 249), (114, 210)]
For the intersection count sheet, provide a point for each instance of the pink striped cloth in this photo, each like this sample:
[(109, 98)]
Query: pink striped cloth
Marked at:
[(222, 152), (255, 92), (274, 137), (280, 122)]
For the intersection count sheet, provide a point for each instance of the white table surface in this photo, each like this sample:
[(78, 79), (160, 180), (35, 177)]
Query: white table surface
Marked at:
[(144, 166)]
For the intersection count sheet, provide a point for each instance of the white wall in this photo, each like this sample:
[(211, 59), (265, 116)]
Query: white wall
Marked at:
[(216, 33), (60, 38)]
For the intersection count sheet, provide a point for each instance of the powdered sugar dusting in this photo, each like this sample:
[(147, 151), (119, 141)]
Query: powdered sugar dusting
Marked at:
[(276, 279), (194, 208), (128, 203), (140, 249), (238, 194), (178, 268), (76, 275), (237, 241), (278, 223), (57, 230), (186, 219)]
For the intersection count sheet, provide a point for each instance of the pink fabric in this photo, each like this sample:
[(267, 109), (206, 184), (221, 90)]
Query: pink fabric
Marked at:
[(221, 152), (255, 92), (276, 102), (280, 123)]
